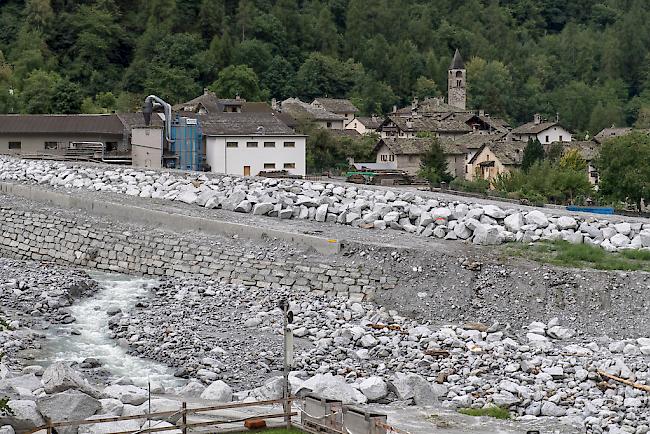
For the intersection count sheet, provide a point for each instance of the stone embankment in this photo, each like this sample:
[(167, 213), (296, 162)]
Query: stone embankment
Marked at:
[(47, 237), (347, 205)]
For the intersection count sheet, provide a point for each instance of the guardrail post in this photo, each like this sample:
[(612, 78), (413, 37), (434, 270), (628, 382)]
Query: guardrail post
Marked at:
[(49, 427), (184, 417)]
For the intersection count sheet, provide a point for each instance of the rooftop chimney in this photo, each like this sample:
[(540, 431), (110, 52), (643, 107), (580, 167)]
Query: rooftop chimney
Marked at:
[(481, 112), (394, 109), (537, 118), (274, 104)]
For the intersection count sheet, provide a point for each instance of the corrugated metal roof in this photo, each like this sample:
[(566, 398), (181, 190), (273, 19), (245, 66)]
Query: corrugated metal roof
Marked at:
[(61, 124)]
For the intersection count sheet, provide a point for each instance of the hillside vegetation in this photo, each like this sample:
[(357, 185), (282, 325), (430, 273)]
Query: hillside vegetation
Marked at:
[(587, 60)]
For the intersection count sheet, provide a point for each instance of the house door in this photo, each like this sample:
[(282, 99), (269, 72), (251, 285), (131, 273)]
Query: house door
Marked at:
[(247, 170)]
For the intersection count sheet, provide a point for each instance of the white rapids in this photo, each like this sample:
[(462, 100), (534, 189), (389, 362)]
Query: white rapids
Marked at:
[(94, 338)]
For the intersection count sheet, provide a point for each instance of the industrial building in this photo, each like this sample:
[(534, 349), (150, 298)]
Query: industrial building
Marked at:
[(236, 143)]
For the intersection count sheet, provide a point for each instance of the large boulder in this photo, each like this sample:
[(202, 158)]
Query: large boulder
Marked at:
[(192, 389), (7, 429), (374, 388), (159, 405), (566, 222), (413, 386), (514, 222), (321, 213), (273, 388), (645, 237), (25, 415), (109, 427), (332, 387), (462, 231), (551, 409), (67, 406), (59, 377), (234, 199), (127, 394), (485, 235), (262, 208), (536, 218), (187, 196), (494, 211), (217, 391), (619, 240)]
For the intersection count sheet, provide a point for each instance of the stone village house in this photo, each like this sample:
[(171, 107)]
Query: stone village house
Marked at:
[(406, 154)]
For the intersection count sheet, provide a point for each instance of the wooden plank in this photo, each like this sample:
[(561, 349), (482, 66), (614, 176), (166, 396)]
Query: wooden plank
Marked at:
[(643, 387)]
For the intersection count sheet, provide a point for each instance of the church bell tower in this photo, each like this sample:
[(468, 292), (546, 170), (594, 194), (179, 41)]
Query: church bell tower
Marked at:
[(456, 82)]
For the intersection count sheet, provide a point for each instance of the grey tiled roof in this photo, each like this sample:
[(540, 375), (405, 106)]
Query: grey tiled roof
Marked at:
[(61, 124), (474, 140), (243, 124), (417, 146), (533, 128), (301, 110), (336, 105)]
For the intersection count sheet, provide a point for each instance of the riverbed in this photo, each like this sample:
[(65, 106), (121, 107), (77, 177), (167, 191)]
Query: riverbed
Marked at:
[(89, 335)]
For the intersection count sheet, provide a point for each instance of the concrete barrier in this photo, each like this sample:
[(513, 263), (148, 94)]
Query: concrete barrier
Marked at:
[(168, 220)]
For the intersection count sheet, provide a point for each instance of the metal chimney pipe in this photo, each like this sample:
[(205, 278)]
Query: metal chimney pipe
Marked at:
[(147, 110)]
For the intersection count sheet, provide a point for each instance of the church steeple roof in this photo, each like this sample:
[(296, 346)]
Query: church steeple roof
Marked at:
[(457, 62)]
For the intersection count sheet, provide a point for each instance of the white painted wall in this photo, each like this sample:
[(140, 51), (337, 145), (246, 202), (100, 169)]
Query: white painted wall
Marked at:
[(554, 134), (358, 127), (231, 160), (331, 125)]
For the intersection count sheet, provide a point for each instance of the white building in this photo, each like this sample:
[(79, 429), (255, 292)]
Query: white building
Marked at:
[(364, 125), (249, 143), (544, 131)]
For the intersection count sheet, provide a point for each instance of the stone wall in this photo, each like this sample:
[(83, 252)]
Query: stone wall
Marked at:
[(37, 236)]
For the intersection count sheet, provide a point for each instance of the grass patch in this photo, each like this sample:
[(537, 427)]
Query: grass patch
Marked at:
[(495, 412), (279, 431), (566, 254)]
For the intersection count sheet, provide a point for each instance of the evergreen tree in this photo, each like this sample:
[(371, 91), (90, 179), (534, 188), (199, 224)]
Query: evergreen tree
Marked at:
[(533, 152), (433, 165)]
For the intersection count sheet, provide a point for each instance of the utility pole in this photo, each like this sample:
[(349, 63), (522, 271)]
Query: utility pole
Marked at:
[(287, 318)]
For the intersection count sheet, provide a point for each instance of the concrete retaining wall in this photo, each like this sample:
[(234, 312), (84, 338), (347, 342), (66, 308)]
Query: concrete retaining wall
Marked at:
[(167, 220), (29, 235)]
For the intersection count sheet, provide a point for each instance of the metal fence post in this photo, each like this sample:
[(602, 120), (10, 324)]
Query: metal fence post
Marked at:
[(184, 417)]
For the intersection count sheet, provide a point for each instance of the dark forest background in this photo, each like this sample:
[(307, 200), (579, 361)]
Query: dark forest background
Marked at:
[(588, 60)]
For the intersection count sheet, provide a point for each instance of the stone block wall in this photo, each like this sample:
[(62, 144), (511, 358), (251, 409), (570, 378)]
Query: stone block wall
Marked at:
[(74, 241)]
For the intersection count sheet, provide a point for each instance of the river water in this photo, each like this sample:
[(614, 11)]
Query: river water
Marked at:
[(94, 339)]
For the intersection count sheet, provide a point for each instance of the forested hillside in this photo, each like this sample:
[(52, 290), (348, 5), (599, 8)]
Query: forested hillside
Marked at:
[(588, 60)]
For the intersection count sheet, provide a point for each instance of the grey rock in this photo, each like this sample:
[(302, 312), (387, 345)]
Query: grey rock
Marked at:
[(67, 406)]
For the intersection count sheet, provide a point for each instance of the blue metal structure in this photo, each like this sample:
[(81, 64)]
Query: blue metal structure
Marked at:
[(186, 143), (593, 209)]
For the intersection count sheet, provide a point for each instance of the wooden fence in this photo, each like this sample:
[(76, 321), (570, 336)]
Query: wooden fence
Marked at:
[(183, 413)]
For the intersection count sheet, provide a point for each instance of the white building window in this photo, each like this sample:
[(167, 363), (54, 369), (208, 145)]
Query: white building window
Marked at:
[(15, 145), (269, 165), (547, 139), (289, 144), (231, 144), (560, 138), (269, 144), (251, 144), (289, 165)]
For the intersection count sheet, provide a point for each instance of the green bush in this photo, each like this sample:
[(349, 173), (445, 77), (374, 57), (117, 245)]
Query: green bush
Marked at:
[(476, 186)]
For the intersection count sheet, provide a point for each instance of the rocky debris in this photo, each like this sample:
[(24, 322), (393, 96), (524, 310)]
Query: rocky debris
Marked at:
[(348, 205)]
